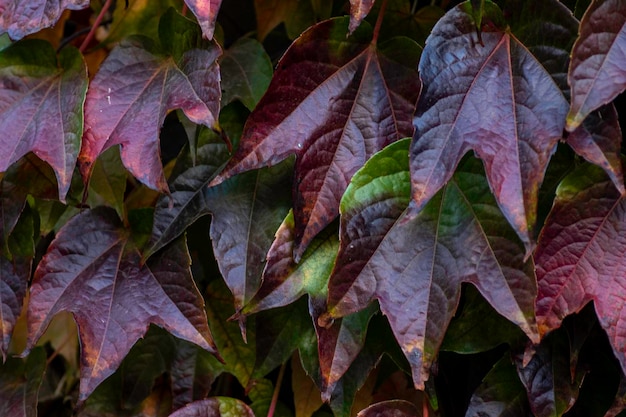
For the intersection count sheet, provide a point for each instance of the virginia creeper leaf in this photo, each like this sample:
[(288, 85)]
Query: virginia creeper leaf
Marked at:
[(580, 255), (139, 17), (107, 184), (496, 99), (392, 408), (135, 87), (206, 13), (306, 395), (19, 19), (41, 106), (297, 15), (597, 72), (415, 267), (92, 270), (19, 384), (358, 10), (337, 79), (192, 374), (215, 407)]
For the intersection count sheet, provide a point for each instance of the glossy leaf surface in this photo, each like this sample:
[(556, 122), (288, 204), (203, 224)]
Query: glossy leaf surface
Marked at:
[(494, 98), (92, 270), (41, 106), (338, 78), (19, 20)]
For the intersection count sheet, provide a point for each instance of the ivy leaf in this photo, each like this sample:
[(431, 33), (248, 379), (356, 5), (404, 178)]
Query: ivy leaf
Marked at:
[(215, 407), (337, 79), (41, 106), (496, 99), (92, 270), (415, 267), (358, 10), (135, 87), (597, 73), (18, 19), (19, 384), (580, 254), (206, 13)]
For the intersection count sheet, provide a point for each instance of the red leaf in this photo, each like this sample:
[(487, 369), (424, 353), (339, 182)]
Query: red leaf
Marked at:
[(130, 95), (319, 106), (580, 256), (495, 99), (358, 10), (93, 270), (597, 72), (41, 106), (20, 18), (206, 13)]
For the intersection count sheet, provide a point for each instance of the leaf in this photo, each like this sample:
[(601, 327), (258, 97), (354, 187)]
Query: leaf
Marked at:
[(580, 254), (19, 384), (107, 184), (358, 10), (206, 13), (215, 407), (596, 73), (337, 79), (501, 393), (246, 72), (41, 106), (135, 87), (139, 17), (18, 20), (495, 99), (401, 20), (306, 396), (415, 267), (192, 374), (92, 270), (393, 408), (297, 15)]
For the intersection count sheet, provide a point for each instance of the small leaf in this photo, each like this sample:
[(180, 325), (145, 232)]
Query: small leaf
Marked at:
[(306, 395), (358, 10), (192, 374), (92, 270), (215, 407), (597, 72), (206, 13), (393, 408), (139, 17), (20, 20), (41, 106), (107, 184), (19, 384)]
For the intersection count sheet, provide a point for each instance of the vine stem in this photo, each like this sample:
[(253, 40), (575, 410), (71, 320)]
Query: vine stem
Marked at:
[(279, 381), (95, 26), (379, 21)]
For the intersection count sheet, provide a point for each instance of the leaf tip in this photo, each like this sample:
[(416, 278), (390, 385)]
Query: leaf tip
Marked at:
[(573, 120)]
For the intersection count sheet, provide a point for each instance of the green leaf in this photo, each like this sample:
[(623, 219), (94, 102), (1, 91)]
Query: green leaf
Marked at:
[(19, 384), (215, 407), (306, 395), (140, 17), (107, 184)]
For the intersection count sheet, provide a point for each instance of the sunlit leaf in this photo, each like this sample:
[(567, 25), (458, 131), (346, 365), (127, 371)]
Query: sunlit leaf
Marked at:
[(41, 106), (215, 407), (19, 19), (19, 384), (206, 13)]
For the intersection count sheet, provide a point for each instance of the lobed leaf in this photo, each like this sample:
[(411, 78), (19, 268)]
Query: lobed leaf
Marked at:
[(92, 270), (491, 96), (597, 73), (18, 19), (338, 79), (41, 106)]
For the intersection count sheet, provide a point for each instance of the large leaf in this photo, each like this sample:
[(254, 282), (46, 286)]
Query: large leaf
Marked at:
[(493, 97), (19, 384), (206, 13), (20, 19), (138, 84), (580, 255), (319, 107), (41, 106), (415, 266), (93, 270), (597, 72)]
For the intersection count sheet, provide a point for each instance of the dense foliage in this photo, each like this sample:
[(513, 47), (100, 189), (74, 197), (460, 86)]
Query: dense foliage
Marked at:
[(312, 208)]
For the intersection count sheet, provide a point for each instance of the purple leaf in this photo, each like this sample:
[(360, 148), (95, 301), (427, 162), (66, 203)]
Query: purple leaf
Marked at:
[(20, 18)]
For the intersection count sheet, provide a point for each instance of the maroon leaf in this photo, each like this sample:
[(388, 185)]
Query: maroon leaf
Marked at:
[(215, 407), (130, 95), (598, 69), (93, 270), (494, 98), (393, 408), (319, 106), (206, 13), (20, 18), (41, 106), (19, 384), (358, 10), (580, 255), (191, 374)]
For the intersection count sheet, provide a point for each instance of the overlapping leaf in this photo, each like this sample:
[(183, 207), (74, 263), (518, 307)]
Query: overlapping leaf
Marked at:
[(215, 407), (206, 13), (392, 408), (19, 19), (135, 87), (92, 270), (333, 101), (358, 10), (580, 258), (415, 266), (597, 72), (491, 96), (19, 384), (41, 106)]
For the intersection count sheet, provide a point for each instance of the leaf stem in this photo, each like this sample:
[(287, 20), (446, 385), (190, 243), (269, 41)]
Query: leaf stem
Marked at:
[(279, 381), (95, 26), (379, 21)]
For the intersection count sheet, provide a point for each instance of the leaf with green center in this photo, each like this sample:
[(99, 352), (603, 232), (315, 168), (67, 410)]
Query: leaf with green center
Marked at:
[(19, 19), (415, 266), (338, 79), (579, 256), (495, 99), (206, 13), (92, 270), (597, 72), (41, 106), (135, 87), (19, 384)]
